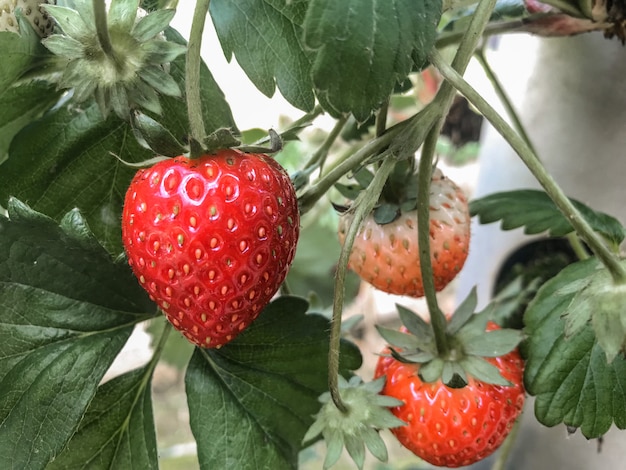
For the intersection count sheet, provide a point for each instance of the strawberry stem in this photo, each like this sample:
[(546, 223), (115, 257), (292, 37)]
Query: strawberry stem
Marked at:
[(444, 99), (102, 29), (437, 318), (554, 191), (192, 79), (420, 121), (363, 205)]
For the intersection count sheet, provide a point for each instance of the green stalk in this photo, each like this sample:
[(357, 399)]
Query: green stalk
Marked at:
[(437, 318), (503, 97), (334, 173), (363, 205), (444, 98), (572, 238), (381, 118), (319, 157), (584, 230), (102, 30), (192, 78)]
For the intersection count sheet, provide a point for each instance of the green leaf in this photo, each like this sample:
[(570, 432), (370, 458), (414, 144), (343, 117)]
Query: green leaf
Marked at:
[(570, 377), (364, 47), (66, 310), (63, 161), (267, 381), (20, 52), (21, 105), (535, 211), (118, 428), (265, 37)]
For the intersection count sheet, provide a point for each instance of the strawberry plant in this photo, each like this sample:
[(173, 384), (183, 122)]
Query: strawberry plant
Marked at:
[(132, 201)]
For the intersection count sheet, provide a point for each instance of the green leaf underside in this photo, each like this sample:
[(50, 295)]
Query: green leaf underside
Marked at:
[(267, 381), (535, 211), (66, 310), (118, 428), (364, 47), (570, 377), (278, 58)]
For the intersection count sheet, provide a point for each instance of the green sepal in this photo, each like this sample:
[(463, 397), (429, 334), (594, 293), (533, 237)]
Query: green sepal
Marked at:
[(453, 375), (162, 51), (432, 370), (70, 21), (463, 312), (151, 25), (386, 213), (493, 343), (145, 96), (122, 14), (160, 80), (397, 338), (221, 138), (358, 427), (484, 371), (415, 324), (156, 136), (64, 46)]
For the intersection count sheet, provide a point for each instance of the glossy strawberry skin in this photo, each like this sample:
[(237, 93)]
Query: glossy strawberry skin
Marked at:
[(211, 240), (453, 427), (387, 256)]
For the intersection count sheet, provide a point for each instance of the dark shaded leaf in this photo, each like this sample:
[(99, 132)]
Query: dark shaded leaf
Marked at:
[(267, 381), (66, 310), (364, 48), (118, 428)]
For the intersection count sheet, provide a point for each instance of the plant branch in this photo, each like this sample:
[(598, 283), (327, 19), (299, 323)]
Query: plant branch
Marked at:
[(192, 77), (584, 230), (363, 205)]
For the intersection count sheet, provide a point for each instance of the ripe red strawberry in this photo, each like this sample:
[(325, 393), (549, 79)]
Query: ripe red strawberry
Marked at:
[(387, 256), (453, 427), (211, 239)]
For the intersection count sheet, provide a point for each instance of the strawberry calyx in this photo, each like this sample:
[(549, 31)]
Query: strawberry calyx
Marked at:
[(125, 67), (357, 428), (471, 337)]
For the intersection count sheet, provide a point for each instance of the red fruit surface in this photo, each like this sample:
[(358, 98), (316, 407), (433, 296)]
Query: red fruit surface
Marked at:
[(211, 240), (387, 256), (453, 427)]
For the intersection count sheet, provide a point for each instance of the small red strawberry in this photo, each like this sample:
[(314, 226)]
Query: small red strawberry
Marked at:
[(387, 255), (453, 427), (211, 240)]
